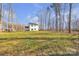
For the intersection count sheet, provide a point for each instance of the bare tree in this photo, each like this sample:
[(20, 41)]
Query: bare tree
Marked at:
[(57, 9), (56, 15), (63, 16), (69, 24), (0, 12), (40, 19), (10, 16), (1, 16), (49, 24)]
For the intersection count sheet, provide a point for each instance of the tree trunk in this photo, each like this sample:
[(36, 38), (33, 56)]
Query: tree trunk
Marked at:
[(0, 12), (70, 9)]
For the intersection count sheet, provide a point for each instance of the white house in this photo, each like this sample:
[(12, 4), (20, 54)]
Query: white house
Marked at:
[(33, 27)]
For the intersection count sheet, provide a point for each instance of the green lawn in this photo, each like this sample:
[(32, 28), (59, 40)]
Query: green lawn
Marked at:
[(37, 34), (38, 43)]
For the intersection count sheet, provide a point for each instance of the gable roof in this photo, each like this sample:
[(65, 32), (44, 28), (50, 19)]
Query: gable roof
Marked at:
[(33, 24)]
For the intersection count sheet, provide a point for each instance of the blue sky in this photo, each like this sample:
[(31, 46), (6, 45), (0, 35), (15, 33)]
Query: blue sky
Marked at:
[(26, 12)]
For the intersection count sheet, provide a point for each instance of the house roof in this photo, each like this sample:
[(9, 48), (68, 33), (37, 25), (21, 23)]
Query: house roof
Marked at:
[(33, 24)]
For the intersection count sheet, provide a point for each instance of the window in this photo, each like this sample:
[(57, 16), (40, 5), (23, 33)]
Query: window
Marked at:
[(26, 26), (34, 28), (31, 29)]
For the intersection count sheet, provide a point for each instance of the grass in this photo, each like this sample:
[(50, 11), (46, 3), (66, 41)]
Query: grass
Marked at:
[(38, 47), (38, 34), (38, 43)]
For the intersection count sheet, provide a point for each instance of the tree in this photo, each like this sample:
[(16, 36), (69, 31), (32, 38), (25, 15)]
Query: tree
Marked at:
[(70, 11), (48, 14), (0, 12), (10, 17), (63, 17), (40, 20), (57, 9)]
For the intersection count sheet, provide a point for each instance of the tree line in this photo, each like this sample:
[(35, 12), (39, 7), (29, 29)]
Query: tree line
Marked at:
[(53, 18)]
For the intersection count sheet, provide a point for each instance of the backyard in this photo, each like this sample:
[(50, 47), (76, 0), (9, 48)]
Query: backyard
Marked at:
[(38, 43)]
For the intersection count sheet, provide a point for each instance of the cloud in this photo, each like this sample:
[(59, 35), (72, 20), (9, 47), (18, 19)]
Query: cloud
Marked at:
[(32, 19), (35, 19), (28, 17)]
